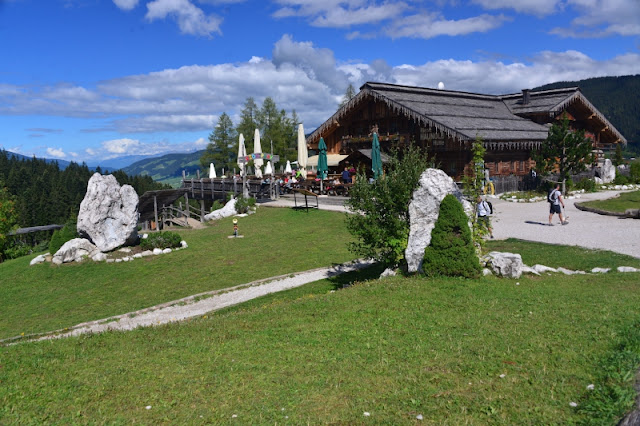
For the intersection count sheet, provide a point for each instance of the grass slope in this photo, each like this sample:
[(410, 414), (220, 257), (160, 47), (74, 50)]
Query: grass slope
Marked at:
[(454, 351), (626, 200), (276, 241)]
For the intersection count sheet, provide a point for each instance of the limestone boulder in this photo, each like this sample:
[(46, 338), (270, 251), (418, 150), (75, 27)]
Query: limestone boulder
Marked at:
[(424, 208), (504, 264), (229, 209), (75, 250), (108, 213), (608, 171)]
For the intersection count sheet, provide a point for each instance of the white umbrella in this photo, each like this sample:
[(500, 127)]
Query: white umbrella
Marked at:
[(212, 171), (269, 169), (242, 152), (287, 168), (257, 149), (302, 151)]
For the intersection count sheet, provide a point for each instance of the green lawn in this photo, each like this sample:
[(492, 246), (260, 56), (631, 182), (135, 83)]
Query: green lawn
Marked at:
[(626, 200), (46, 297), (451, 350)]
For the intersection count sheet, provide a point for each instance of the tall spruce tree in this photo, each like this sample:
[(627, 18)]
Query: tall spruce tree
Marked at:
[(248, 120), (564, 150), (219, 150), (350, 93)]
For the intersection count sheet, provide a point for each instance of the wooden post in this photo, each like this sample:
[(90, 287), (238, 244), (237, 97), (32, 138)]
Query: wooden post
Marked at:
[(186, 199), (155, 211), (201, 210), (201, 189), (198, 173)]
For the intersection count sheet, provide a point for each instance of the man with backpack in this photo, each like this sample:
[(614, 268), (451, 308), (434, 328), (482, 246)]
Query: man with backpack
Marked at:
[(484, 210), (555, 199)]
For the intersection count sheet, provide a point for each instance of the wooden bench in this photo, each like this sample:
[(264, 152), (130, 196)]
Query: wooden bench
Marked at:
[(306, 194)]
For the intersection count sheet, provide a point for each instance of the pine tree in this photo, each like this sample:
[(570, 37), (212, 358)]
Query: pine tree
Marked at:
[(350, 93), (219, 149), (617, 158), (248, 120)]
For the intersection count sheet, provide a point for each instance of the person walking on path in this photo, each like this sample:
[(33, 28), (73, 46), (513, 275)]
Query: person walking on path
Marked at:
[(484, 211), (555, 200)]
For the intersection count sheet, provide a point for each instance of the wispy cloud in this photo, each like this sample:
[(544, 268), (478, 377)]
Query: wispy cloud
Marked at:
[(191, 19), (126, 4)]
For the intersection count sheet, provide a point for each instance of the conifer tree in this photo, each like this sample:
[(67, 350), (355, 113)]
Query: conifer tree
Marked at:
[(219, 150), (566, 150)]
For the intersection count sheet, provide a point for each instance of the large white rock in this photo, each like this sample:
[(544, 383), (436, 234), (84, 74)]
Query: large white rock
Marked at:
[(108, 213), (229, 209), (505, 264), (424, 208), (608, 171), (36, 260), (75, 250)]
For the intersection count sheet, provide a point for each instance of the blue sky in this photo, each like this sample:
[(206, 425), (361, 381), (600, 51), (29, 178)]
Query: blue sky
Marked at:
[(87, 80)]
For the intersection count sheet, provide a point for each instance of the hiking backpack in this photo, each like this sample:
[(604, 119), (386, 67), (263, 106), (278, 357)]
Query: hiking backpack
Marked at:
[(490, 206)]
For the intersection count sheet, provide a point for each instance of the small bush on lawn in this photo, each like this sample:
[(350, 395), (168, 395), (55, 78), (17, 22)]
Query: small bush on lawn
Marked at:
[(621, 180), (161, 240), (451, 252), (244, 204), (634, 172), (61, 236), (588, 185)]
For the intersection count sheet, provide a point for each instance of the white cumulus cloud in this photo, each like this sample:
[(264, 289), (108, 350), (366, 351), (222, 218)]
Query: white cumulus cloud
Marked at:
[(56, 152), (126, 4), (191, 19)]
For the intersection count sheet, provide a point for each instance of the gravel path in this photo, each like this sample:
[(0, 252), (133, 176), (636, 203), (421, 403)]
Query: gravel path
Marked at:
[(528, 221), (196, 305)]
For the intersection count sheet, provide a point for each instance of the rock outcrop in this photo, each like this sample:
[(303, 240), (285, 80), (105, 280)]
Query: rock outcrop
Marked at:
[(77, 250), (507, 265), (229, 209), (108, 213), (424, 208), (608, 171)]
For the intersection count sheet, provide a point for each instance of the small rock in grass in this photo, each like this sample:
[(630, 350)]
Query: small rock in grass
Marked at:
[(600, 270), (167, 251), (419, 417), (542, 269), (157, 251), (183, 244), (591, 387), (627, 269), (148, 407), (573, 404), (486, 271), (37, 259), (502, 376), (388, 273), (367, 414)]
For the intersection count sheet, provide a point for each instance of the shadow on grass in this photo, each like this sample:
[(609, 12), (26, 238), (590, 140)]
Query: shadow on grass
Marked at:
[(348, 278)]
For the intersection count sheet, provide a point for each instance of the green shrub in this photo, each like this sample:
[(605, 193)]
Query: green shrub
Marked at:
[(61, 236), (621, 179), (382, 231), (17, 250), (217, 205), (588, 185), (161, 240), (451, 252), (244, 204), (634, 172)]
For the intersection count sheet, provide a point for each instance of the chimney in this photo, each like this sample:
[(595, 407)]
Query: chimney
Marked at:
[(526, 96)]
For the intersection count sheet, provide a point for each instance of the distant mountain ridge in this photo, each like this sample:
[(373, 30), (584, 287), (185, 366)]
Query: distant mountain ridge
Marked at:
[(167, 168), (618, 98)]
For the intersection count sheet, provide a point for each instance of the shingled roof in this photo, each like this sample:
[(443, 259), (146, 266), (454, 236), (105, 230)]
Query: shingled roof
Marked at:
[(463, 115)]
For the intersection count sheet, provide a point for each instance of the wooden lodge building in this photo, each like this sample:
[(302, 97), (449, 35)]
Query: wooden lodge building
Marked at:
[(445, 123)]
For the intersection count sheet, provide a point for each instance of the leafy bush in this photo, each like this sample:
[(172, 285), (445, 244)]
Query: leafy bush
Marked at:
[(589, 185), (634, 172), (161, 240), (382, 231), (451, 252), (621, 179), (217, 205), (61, 236), (17, 250), (244, 204)]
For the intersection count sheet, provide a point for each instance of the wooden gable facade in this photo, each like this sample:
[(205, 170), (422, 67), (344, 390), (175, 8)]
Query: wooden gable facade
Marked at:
[(445, 124)]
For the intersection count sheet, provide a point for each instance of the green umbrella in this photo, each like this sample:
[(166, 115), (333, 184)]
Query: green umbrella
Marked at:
[(376, 161), (323, 168)]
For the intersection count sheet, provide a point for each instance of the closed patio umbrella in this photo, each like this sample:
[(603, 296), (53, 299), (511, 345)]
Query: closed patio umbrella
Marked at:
[(323, 168), (242, 152), (212, 171), (302, 151), (376, 160), (268, 170), (287, 168), (257, 149)]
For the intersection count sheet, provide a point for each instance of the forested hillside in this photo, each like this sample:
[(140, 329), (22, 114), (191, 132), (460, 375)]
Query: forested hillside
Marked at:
[(45, 194), (168, 168), (618, 98)]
